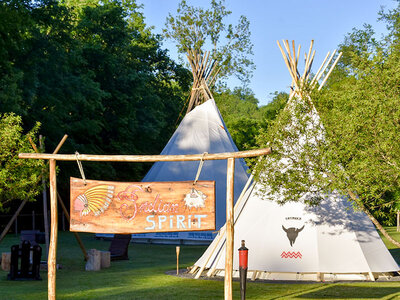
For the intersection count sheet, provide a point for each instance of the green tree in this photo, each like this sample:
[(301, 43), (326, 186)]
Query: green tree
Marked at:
[(271, 110), (91, 69), (244, 119), (19, 179), (197, 28)]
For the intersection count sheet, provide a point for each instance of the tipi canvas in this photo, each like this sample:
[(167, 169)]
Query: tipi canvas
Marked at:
[(294, 241), (202, 130)]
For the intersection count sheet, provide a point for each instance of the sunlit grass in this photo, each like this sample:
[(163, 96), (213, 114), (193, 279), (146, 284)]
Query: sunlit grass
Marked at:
[(143, 277)]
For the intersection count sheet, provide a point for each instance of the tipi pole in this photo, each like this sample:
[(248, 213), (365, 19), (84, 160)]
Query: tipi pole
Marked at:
[(324, 68), (319, 70), (288, 65), (309, 67), (307, 64), (229, 228), (330, 71), (292, 60), (218, 257), (223, 229)]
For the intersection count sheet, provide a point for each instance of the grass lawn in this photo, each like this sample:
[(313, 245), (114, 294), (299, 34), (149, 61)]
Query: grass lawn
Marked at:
[(143, 277)]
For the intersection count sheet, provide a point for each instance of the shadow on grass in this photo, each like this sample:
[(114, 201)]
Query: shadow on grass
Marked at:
[(157, 287), (349, 291), (143, 277), (396, 254)]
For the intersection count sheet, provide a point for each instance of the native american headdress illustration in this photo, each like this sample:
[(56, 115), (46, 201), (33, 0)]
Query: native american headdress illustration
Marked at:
[(96, 199)]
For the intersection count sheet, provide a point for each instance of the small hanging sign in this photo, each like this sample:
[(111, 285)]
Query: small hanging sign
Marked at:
[(140, 207)]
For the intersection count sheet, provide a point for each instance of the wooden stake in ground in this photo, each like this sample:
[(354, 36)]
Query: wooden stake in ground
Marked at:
[(178, 249)]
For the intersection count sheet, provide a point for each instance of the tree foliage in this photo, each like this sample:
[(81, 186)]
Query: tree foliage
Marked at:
[(19, 179), (242, 115), (91, 69), (197, 28)]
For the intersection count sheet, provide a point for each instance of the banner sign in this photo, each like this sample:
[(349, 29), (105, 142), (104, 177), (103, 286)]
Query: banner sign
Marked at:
[(141, 207)]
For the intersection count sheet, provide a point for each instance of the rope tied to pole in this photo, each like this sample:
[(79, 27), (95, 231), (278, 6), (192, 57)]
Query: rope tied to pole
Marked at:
[(80, 167), (199, 168)]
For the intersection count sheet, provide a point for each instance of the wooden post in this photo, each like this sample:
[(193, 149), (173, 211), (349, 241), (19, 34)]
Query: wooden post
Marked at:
[(51, 262), (6, 261), (230, 174), (94, 261), (52, 256), (3, 234), (105, 259), (398, 221), (178, 249), (44, 195)]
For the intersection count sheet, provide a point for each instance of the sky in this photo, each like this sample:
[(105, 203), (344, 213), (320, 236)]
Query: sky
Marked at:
[(327, 22)]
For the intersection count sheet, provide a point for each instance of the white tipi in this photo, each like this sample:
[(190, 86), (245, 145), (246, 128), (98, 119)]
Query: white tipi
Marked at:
[(202, 130), (294, 241)]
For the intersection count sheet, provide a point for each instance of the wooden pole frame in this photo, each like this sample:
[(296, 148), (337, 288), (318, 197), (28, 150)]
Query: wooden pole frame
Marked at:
[(229, 156), (51, 262), (146, 158), (230, 176)]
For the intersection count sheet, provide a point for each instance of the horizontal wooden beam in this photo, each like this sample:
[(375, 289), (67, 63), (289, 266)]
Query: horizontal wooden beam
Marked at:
[(146, 158)]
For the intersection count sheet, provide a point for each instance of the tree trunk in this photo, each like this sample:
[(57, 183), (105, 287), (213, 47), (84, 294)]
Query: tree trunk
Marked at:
[(375, 221)]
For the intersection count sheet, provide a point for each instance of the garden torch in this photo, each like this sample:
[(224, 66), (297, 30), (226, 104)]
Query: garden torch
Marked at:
[(243, 258)]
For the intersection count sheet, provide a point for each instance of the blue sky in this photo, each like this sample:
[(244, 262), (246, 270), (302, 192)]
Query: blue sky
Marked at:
[(327, 22)]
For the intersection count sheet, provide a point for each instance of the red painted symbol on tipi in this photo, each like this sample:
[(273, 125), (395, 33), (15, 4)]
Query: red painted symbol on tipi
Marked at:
[(290, 254)]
